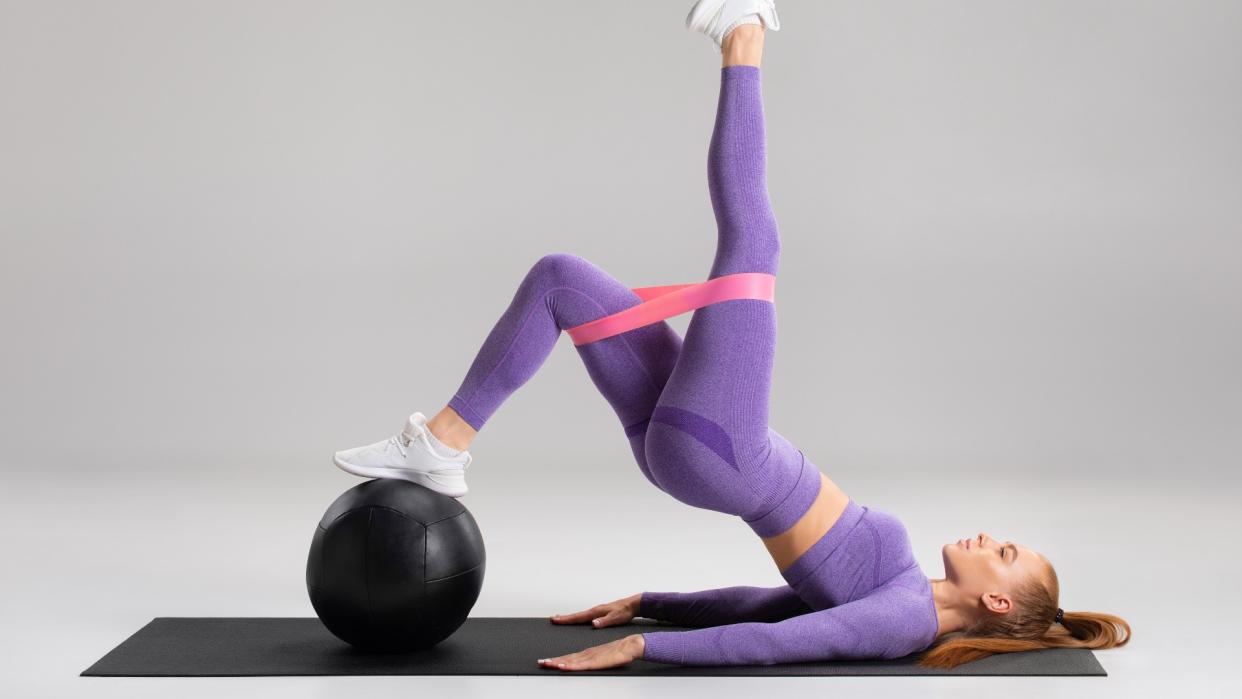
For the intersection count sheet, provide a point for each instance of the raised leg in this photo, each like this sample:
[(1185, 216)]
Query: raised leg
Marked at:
[(708, 442), (742, 46)]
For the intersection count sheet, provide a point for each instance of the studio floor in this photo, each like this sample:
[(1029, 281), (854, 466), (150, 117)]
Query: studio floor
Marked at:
[(92, 558)]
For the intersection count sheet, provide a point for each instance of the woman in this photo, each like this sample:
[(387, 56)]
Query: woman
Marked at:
[(696, 416)]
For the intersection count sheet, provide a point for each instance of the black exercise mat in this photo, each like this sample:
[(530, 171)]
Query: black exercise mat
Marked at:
[(258, 646)]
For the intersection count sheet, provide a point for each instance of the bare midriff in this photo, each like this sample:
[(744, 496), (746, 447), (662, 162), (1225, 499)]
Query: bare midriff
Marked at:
[(787, 546)]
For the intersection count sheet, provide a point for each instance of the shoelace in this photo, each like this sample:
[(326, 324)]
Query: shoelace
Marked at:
[(395, 440)]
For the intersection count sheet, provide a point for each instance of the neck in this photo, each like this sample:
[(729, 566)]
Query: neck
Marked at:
[(949, 612)]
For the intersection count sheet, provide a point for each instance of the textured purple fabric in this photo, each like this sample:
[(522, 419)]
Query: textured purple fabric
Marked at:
[(695, 412), (857, 593), (726, 605)]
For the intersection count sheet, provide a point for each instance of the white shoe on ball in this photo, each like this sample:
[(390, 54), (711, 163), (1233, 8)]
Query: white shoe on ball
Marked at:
[(409, 455)]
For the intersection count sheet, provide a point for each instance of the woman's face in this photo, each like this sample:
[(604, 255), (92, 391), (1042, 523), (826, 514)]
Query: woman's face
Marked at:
[(988, 570)]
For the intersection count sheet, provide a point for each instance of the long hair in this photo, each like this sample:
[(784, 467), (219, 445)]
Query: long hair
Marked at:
[(1028, 626)]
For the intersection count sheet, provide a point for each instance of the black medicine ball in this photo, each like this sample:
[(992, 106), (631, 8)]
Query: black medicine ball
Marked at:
[(395, 566)]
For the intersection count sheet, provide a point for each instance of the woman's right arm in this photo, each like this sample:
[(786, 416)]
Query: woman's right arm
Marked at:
[(726, 605)]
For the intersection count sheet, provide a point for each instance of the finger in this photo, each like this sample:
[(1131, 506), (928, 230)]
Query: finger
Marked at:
[(610, 618), (559, 663), (563, 658), (576, 617), (572, 661), (593, 659), (552, 662)]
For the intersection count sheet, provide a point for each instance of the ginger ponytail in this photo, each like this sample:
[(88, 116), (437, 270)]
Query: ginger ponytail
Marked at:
[(1028, 626)]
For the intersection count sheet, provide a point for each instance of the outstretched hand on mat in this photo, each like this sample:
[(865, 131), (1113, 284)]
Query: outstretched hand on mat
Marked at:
[(614, 654), (620, 652)]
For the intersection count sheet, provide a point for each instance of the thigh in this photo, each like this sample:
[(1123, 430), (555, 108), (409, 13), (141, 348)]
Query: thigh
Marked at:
[(722, 379), (631, 369)]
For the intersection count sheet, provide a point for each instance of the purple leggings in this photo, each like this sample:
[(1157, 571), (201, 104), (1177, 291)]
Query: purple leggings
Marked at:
[(695, 411)]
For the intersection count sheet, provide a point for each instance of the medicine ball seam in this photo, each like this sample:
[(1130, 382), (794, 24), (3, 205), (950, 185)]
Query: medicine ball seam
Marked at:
[(444, 519), (366, 569), (372, 507), (454, 575)]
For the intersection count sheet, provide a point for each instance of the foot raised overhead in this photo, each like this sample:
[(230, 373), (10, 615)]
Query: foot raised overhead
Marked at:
[(716, 18)]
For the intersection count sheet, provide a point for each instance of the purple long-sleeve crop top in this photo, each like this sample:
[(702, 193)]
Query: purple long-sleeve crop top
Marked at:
[(881, 607)]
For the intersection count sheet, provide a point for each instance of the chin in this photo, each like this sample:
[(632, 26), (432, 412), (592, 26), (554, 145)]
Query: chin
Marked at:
[(948, 559)]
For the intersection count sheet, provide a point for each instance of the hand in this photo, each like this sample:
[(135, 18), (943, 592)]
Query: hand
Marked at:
[(614, 654), (612, 613)]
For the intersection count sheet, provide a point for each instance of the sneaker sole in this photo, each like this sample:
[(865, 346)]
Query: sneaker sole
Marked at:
[(404, 474)]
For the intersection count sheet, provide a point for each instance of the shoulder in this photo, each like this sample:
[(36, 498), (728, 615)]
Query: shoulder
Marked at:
[(907, 613)]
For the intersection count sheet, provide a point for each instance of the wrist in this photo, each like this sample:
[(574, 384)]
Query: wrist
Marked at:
[(636, 604), (637, 644)]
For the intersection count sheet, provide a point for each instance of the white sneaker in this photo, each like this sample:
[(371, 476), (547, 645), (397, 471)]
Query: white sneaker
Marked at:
[(716, 18), (409, 455)]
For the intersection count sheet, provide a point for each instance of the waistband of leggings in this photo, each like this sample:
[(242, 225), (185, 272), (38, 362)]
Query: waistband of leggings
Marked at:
[(820, 550), (795, 503)]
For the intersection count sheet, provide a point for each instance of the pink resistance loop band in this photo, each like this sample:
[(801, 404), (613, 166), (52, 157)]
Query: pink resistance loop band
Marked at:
[(661, 302)]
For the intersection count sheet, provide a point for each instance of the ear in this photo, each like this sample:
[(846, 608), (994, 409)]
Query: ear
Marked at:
[(996, 602)]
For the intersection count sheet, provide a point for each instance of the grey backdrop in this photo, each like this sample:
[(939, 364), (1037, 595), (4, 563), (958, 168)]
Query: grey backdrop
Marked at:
[(238, 236)]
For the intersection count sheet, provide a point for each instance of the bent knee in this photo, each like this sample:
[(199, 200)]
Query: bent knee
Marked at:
[(560, 266)]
